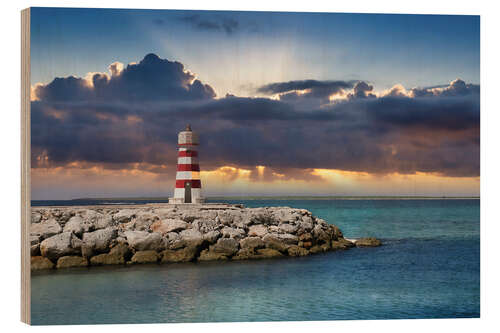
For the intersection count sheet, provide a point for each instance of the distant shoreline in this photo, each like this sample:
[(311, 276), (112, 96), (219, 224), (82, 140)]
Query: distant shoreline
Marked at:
[(279, 198)]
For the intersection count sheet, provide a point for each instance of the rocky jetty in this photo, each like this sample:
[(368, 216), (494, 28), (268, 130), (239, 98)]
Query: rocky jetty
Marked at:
[(64, 237)]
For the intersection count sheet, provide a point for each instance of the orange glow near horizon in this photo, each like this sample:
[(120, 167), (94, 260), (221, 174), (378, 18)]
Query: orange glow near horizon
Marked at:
[(78, 180)]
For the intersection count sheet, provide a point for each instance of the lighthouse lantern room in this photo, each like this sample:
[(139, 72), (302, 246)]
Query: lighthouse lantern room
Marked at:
[(187, 180)]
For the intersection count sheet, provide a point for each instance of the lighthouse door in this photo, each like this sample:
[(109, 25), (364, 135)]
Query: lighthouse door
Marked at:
[(187, 193)]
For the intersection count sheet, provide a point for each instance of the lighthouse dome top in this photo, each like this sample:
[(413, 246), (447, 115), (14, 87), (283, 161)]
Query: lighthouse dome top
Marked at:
[(188, 137)]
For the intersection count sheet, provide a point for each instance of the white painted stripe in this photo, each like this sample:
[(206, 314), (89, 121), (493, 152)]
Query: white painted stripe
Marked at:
[(187, 160), (182, 175)]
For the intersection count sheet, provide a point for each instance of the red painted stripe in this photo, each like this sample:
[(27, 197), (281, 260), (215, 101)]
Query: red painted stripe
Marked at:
[(187, 144), (195, 183), (188, 153), (188, 167)]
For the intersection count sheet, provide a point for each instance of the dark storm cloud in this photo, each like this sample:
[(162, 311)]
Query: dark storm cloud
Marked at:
[(153, 79), (433, 131), (362, 90), (218, 23), (320, 89)]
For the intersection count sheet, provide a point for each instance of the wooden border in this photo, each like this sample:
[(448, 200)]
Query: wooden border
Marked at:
[(25, 166)]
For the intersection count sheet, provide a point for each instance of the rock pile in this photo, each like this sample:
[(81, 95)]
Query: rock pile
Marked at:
[(78, 236)]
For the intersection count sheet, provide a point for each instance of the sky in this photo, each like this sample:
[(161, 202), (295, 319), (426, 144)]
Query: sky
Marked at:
[(284, 103)]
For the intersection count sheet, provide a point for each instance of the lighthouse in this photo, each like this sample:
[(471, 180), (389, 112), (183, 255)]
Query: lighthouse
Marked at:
[(187, 180)]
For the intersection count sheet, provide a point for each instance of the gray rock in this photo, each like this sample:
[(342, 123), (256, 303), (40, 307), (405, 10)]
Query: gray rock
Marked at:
[(211, 236), (288, 238), (168, 225), (288, 228), (36, 217), (144, 220), (229, 232), (191, 237), (124, 215), (45, 229), (252, 243), (258, 230), (226, 246), (143, 240), (97, 241), (102, 221), (205, 226), (77, 225), (274, 242), (58, 246)]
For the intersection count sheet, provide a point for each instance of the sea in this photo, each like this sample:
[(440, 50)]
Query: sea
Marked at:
[(427, 267)]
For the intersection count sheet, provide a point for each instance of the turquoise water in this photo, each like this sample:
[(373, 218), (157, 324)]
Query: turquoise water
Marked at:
[(428, 267)]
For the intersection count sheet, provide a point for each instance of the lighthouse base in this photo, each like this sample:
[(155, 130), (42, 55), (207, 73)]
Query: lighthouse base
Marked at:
[(182, 201)]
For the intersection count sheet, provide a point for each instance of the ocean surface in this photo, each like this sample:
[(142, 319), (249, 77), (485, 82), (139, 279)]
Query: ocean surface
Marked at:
[(428, 267)]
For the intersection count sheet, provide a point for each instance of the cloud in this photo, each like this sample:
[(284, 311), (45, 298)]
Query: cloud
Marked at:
[(152, 79), (216, 23), (131, 117), (362, 90), (291, 90)]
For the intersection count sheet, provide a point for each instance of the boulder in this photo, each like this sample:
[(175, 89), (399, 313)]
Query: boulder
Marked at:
[(143, 240), (58, 246), (252, 243), (226, 246), (297, 251), (165, 213), (258, 230), (288, 238), (206, 225), (118, 255), (144, 220), (191, 238), (306, 237), (368, 242), (172, 241), (35, 245), (211, 236), (124, 215), (168, 225), (183, 255), (72, 261), (316, 249), (288, 228), (97, 241), (102, 221), (235, 233), (144, 257), (321, 235), (77, 225), (36, 217), (341, 244), (45, 229), (272, 241), (208, 255), (35, 250), (244, 254), (268, 253), (39, 263)]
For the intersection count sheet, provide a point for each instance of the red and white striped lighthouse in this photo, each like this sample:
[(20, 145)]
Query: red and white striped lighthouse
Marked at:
[(187, 180)]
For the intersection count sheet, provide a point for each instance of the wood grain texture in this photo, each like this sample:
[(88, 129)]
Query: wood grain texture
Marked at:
[(25, 166)]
